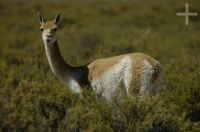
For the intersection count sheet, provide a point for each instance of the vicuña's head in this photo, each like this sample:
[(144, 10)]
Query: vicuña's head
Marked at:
[(48, 29)]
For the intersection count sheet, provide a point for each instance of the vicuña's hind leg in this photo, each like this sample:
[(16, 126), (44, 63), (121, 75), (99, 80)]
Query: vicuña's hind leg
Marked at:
[(145, 77), (156, 78)]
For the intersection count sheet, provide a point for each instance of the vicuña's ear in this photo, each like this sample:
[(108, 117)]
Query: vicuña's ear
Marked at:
[(41, 19), (56, 19)]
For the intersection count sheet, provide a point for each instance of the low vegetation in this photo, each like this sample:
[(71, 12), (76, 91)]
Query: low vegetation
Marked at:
[(33, 99)]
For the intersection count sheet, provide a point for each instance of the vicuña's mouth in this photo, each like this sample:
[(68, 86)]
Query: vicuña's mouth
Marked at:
[(49, 39)]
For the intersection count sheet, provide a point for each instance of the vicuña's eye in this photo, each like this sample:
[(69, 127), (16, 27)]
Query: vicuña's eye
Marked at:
[(42, 29), (54, 29)]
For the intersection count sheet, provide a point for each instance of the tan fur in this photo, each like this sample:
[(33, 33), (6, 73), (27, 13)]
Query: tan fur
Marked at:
[(49, 25), (97, 67)]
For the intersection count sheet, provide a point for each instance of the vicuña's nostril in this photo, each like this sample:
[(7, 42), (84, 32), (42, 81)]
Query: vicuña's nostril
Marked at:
[(48, 36)]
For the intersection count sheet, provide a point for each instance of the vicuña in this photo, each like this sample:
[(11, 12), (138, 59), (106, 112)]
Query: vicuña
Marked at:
[(127, 74)]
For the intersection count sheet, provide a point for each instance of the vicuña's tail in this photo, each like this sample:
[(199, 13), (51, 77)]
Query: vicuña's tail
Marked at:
[(156, 77)]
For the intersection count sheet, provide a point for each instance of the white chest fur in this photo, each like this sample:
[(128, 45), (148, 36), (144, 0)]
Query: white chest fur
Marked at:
[(74, 86)]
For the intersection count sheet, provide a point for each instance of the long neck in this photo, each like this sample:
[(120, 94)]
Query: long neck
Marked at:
[(59, 67), (64, 71)]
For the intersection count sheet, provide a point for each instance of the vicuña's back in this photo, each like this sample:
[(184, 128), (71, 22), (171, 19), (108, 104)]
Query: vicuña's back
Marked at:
[(130, 74)]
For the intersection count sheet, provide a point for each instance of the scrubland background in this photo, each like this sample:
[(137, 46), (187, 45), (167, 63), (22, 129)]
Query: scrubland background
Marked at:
[(33, 99)]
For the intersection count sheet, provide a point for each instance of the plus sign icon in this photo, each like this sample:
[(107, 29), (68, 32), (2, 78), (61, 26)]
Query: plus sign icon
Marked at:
[(187, 14)]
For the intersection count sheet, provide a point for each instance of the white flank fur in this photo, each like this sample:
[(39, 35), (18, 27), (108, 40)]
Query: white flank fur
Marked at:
[(115, 76)]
